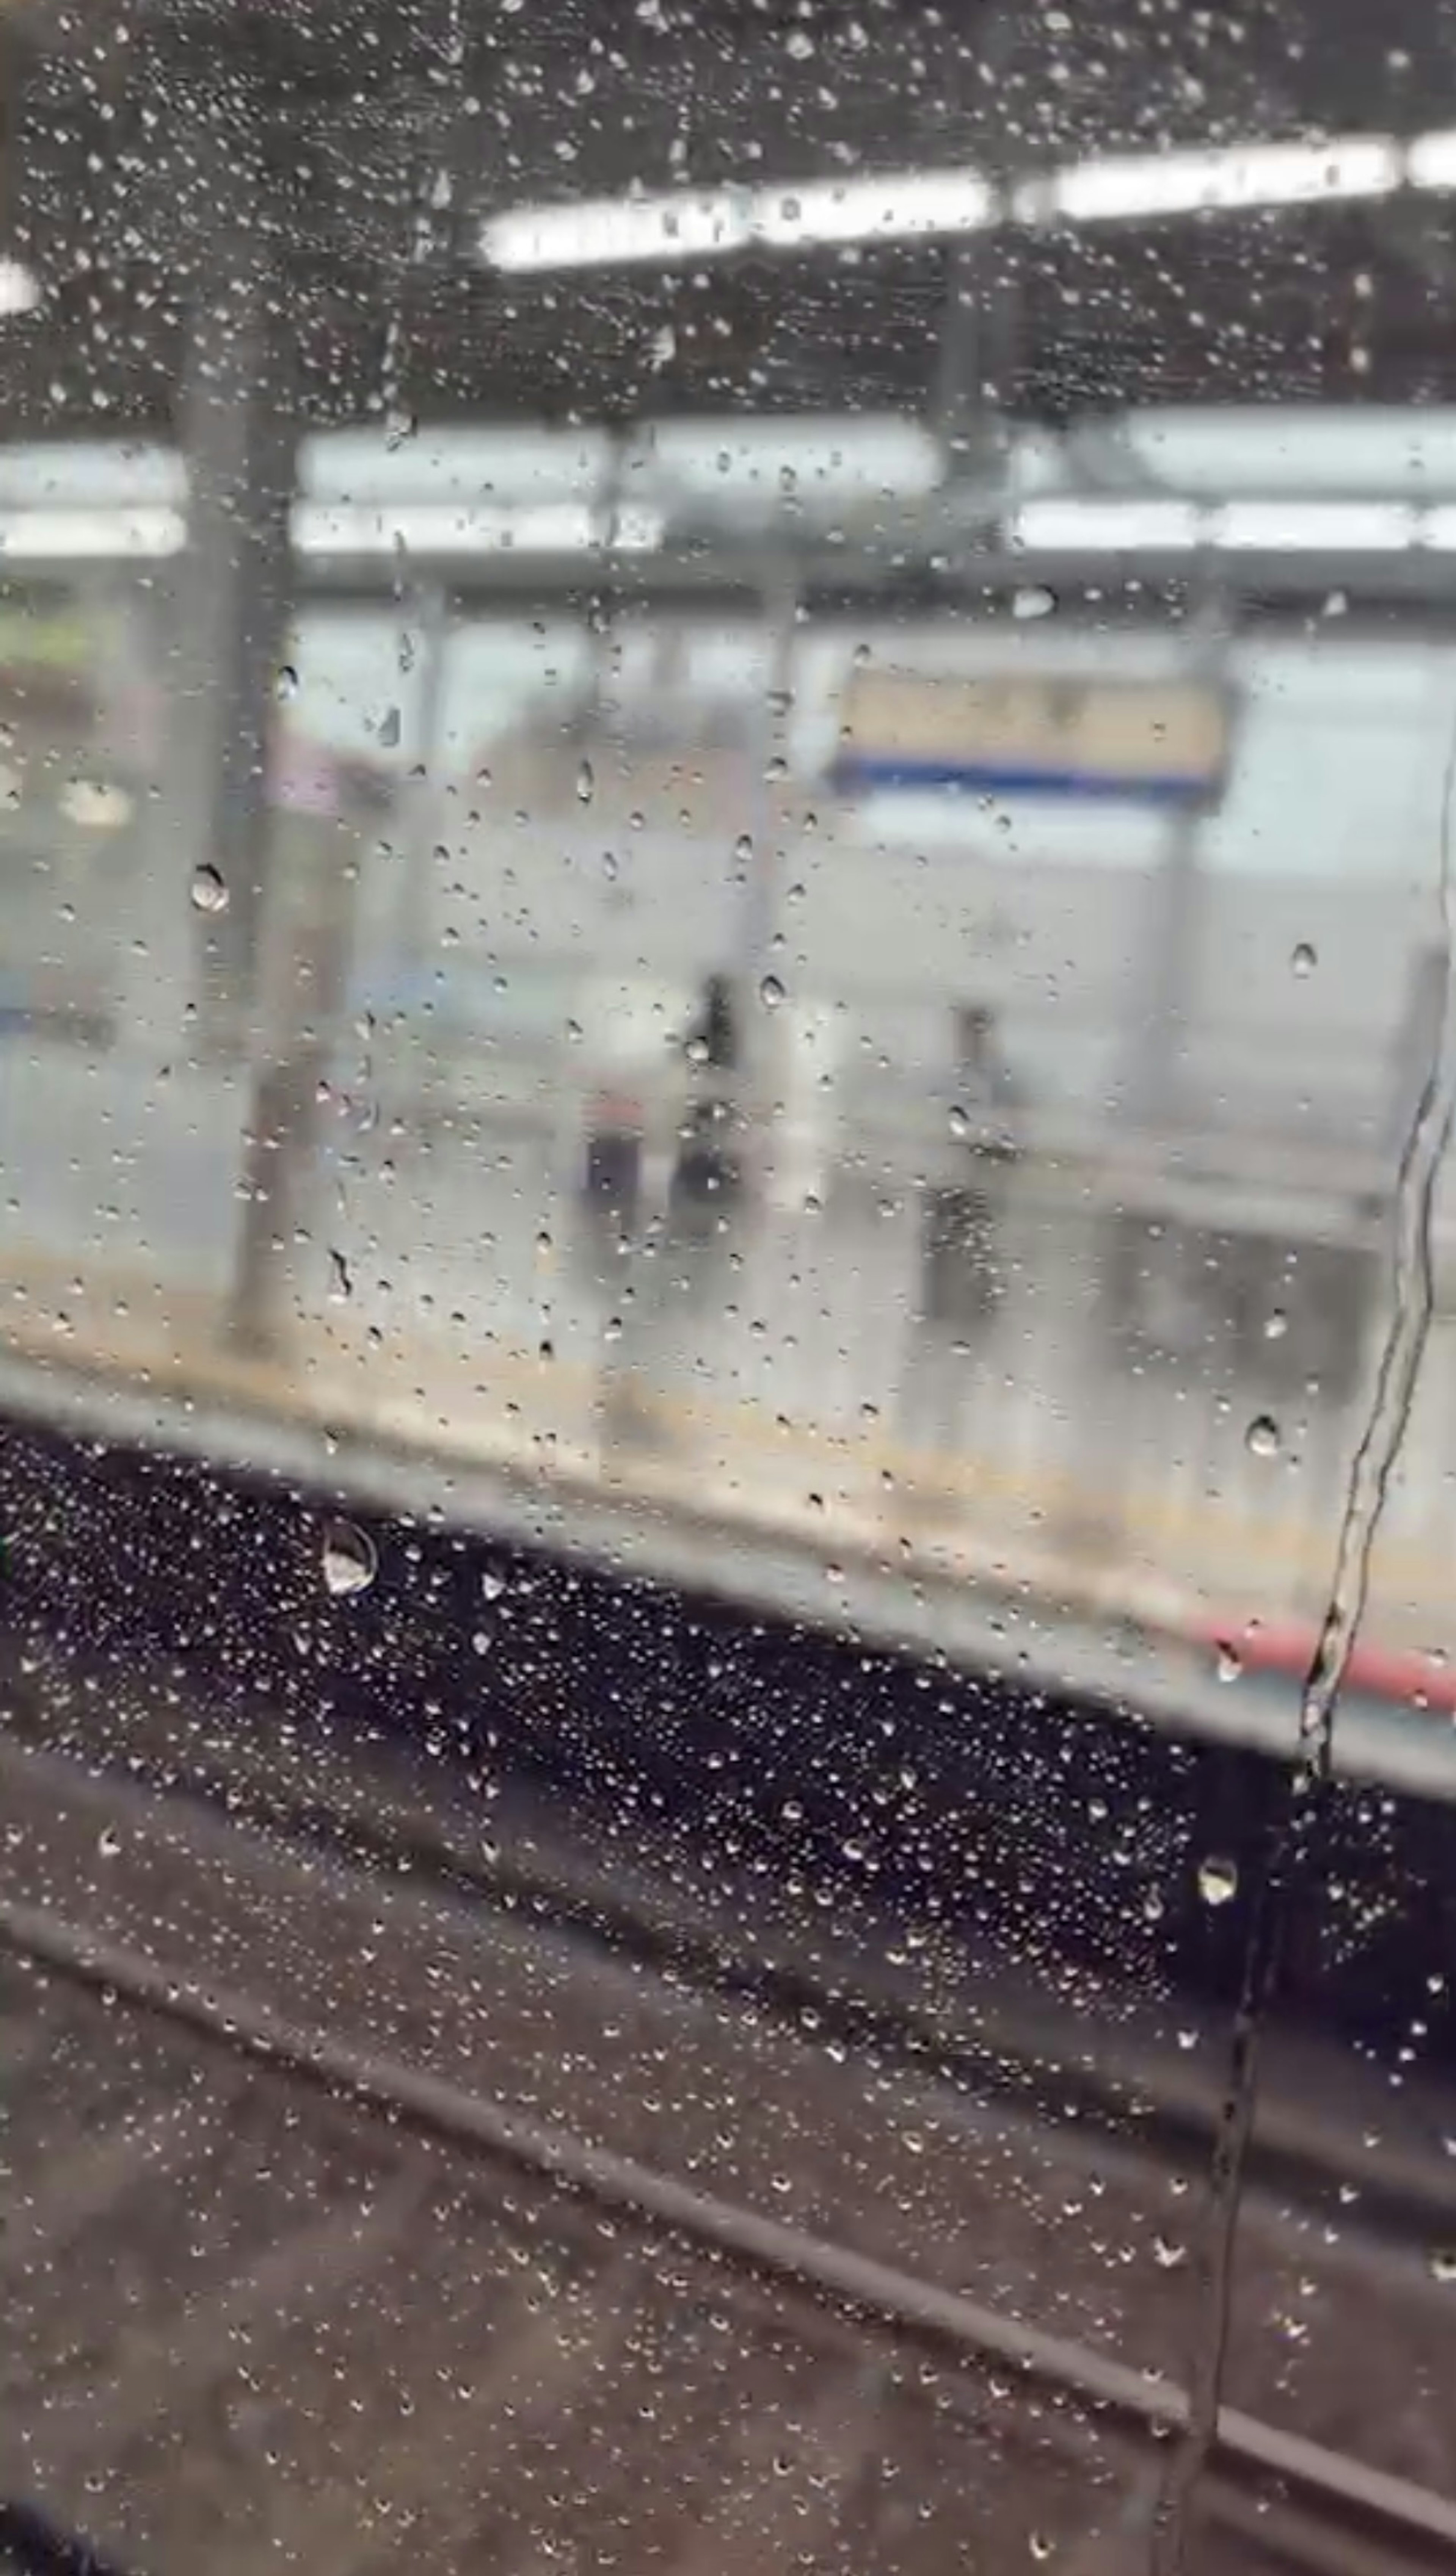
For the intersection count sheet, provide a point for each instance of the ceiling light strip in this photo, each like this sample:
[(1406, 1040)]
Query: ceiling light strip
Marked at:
[(677, 225)]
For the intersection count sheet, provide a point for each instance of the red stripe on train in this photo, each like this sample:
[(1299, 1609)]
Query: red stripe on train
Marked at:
[(1428, 1681)]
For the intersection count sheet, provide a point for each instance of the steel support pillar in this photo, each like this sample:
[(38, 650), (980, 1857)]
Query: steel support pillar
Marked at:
[(1164, 964), (776, 817), (261, 884), (976, 363), (232, 602)]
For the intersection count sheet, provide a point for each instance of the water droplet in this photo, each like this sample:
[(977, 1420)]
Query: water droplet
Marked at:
[(285, 684), (342, 1285), (770, 992), (610, 869), (1035, 601), (1218, 1880), (586, 782), (1168, 2255), (1303, 960), (959, 1120), (389, 729), (350, 1559), (209, 888), (492, 1584), (108, 1842), (1276, 1326), (1230, 1661), (1443, 2265), (1040, 2547), (1262, 1437)]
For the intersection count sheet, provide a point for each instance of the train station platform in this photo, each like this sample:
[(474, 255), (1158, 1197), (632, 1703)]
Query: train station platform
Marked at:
[(762, 1419)]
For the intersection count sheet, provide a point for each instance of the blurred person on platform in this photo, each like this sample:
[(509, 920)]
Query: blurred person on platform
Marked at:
[(708, 1173)]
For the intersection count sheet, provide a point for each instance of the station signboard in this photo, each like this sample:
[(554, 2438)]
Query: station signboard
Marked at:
[(1159, 741)]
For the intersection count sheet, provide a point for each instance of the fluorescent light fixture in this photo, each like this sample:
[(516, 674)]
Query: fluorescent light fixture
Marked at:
[(1304, 527), (19, 287), (610, 232), (1181, 183), (1055, 525), (427, 528), (49, 536), (635, 530), (906, 205), (448, 528), (683, 224), (1430, 161)]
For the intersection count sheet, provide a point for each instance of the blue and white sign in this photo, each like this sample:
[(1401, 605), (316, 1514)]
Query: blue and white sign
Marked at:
[(1161, 742)]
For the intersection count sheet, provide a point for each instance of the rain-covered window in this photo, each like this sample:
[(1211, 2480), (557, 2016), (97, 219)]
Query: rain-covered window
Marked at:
[(728, 1287)]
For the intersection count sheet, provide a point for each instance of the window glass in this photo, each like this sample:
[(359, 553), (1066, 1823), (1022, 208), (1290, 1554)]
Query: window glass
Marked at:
[(727, 762)]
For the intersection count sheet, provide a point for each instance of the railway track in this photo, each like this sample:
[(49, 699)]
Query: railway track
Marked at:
[(347, 2226), (278, 2301), (810, 1958)]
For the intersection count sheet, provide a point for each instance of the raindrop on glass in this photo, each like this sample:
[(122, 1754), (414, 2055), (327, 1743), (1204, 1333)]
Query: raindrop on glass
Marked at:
[(492, 1584), (1303, 960), (1276, 1326), (389, 729), (108, 1842), (1218, 1880), (350, 1559), (209, 888), (285, 685), (770, 992), (1443, 2265), (1230, 1661), (586, 782), (1262, 1437)]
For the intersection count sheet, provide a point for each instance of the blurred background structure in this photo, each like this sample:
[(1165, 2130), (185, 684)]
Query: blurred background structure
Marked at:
[(726, 759)]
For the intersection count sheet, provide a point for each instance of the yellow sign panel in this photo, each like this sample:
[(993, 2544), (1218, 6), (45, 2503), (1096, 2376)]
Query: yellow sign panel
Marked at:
[(1035, 734)]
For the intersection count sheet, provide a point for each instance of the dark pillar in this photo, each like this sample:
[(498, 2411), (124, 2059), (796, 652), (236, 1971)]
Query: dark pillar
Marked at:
[(977, 360), (1164, 963), (238, 429)]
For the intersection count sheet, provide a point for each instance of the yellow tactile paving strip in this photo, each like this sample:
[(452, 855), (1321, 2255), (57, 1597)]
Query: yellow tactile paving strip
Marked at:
[(1163, 1559)]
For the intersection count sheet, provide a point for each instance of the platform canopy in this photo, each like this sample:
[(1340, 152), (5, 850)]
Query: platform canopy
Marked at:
[(570, 209)]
